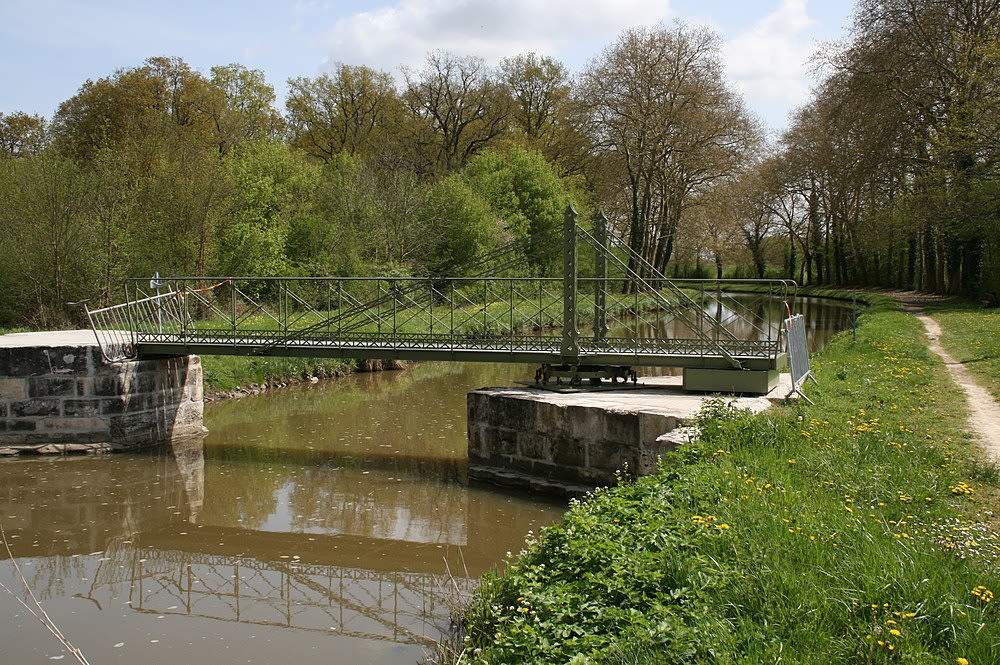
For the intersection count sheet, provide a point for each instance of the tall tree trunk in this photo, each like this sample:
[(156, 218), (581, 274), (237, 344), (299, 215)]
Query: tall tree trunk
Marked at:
[(928, 245), (791, 258), (911, 261), (815, 232)]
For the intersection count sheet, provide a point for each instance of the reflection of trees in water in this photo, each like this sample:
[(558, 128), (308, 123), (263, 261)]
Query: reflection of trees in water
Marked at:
[(420, 413), (355, 390), (408, 608), (58, 509), (757, 318), (336, 500), (74, 505), (241, 493), (46, 575)]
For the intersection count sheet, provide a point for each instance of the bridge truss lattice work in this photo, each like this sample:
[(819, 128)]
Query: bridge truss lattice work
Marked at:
[(497, 312)]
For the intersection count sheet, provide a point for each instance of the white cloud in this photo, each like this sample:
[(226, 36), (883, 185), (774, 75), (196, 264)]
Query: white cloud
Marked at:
[(404, 32), (769, 61)]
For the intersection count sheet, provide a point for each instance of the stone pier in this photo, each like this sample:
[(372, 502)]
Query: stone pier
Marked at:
[(58, 394), (570, 443)]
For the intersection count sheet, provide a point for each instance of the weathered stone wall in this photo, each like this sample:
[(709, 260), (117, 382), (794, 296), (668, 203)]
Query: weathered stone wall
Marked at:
[(527, 439), (69, 399)]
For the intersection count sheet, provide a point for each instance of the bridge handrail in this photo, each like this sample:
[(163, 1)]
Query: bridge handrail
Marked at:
[(657, 274), (115, 325), (640, 280)]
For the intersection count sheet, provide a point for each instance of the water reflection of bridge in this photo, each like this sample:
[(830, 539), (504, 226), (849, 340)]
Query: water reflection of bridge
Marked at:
[(333, 546), (402, 607)]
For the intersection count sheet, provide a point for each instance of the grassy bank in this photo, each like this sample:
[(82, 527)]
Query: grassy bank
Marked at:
[(972, 336), (848, 531), (226, 373)]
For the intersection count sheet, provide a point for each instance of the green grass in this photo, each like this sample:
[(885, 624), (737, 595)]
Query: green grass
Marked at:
[(224, 373), (972, 336), (806, 535)]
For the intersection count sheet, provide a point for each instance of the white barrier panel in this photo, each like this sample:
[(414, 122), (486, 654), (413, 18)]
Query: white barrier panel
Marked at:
[(798, 353)]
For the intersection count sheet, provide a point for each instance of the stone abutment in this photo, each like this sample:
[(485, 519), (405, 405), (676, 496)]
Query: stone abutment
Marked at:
[(58, 394)]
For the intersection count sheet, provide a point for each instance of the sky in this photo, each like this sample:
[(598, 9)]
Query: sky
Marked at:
[(49, 48)]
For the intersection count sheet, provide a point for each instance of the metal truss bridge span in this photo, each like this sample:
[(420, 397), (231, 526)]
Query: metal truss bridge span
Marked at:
[(618, 312)]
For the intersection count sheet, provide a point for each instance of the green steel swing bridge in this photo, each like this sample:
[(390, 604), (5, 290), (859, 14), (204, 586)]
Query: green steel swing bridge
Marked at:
[(616, 314)]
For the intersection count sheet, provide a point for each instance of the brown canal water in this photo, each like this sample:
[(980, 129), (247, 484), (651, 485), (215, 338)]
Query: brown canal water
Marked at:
[(323, 523)]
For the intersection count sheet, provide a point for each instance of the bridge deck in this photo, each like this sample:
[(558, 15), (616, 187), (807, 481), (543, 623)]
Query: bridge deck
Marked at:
[(753, 355)]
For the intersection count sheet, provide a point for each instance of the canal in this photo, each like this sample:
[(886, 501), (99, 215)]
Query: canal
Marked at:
[(330, 522)]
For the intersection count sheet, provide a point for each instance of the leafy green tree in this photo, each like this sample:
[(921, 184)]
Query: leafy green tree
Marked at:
[(353, 111), (540, 89), (894, 152), (115, 187), (462, 103), (526, 196), (544, 113), (460, 224), (22, 134), (47, 246), (163, 96), (273, 187), (330, 240), (244, 109)]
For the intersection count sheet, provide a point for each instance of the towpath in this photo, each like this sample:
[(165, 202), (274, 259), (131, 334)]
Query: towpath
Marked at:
[(984, 412)]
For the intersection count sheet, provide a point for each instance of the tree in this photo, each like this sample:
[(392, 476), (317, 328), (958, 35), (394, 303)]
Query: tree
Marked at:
[(46, 248), (544, 112), (273, 187), (460, 224), (180, 207), (663, 121), (162, 96), (528, 198), (22, 135), (751, 212), (539, 86), (351, 111), (462, 104), (244, 109), (892, 157)]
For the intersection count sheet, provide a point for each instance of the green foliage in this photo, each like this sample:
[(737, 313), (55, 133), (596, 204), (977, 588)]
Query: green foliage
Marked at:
[(22, 135), (460, 223), (245, 106), (527, 196), (46, 242), (223, 373), (273, 190), (847, 531), (349, 112)]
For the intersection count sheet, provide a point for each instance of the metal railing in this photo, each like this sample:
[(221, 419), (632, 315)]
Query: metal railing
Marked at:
[(514, 315), (638, 315)]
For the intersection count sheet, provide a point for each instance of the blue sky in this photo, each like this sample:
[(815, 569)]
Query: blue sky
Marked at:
[(48, 48)]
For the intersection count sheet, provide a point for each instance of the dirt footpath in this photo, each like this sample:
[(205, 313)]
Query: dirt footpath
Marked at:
[(984, 412)]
